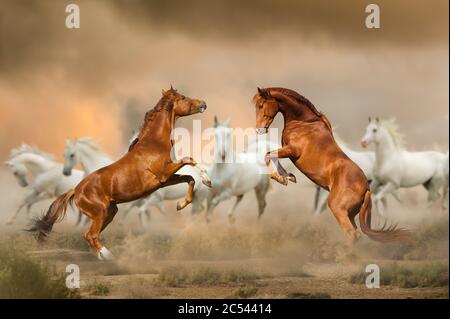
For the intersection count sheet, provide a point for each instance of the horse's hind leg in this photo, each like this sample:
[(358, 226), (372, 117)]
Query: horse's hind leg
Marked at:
[(100, 214), (345, 205), (321, 200), (261, 192), (231, 218), (112, 211)]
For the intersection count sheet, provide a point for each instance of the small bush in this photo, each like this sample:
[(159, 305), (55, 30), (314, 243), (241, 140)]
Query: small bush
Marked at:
[(179, 276), (302, 295), (245, 292), (430, 275), (205, 275), (173, 276), (98, 289), (23, 277)]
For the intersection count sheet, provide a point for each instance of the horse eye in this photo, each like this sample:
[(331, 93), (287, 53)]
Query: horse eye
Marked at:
[(374, 130), (16, 173), (72, 155)]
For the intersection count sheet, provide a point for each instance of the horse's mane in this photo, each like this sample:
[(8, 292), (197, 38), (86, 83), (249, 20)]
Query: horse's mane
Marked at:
[(90, 143), (392, 127), (25, 148), (165, 103), (304, 101)]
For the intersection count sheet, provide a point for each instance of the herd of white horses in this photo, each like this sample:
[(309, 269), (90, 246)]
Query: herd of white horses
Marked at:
[(389, 167)]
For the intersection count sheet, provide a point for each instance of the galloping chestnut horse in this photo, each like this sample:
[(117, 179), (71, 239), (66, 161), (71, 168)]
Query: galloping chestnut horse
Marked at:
[(146, 167), (308, 141)]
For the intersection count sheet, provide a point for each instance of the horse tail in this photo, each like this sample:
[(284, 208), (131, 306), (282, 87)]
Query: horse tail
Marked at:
[(386, 233), (43, 226)]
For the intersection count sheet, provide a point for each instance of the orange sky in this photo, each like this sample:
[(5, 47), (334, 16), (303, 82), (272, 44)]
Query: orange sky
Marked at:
[(99, 80)]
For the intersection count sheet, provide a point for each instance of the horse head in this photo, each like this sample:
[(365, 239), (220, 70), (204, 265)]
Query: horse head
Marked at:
[(223, 138)]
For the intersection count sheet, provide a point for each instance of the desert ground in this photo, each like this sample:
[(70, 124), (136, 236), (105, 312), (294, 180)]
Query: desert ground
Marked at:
[(289, 253)]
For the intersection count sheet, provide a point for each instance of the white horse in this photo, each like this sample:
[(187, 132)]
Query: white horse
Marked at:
[(47, 178), (440, 182), (233, 176), (86, 152), (394, 166)]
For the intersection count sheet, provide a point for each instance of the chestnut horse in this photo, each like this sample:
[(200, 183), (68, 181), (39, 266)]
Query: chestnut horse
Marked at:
[(146, 167), (308, 141)]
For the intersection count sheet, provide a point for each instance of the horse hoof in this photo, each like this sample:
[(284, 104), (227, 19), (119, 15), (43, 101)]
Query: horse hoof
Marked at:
[(105, 254), (292, 178), (207, 183), (181, 205)]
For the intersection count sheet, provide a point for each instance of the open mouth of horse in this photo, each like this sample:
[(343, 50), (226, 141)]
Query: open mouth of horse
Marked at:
[(262, 130)]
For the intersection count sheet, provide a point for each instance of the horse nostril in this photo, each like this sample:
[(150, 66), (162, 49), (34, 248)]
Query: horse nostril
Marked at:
[(202, 107), (261, 130)]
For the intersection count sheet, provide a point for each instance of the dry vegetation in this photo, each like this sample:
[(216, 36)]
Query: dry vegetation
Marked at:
[(290, 256)]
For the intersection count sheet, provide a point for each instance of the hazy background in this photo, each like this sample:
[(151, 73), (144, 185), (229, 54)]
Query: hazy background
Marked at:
[(98, 81)]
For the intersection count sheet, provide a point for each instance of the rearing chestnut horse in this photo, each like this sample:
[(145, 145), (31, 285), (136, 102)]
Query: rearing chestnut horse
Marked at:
[(146, 167), (308, 141)]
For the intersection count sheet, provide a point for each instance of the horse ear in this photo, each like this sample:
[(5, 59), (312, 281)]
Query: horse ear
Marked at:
[(216, 121), (377, 119), (9, 164), (227, 122), (163, 92), (370, 119), (265, 94)]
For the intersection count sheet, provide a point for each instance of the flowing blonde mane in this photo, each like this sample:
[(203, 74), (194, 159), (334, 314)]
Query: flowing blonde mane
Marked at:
[(392, 128), (25, 148)]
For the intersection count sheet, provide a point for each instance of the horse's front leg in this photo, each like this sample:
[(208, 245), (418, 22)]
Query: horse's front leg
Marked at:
[(386, 189), (177, 179), (273, 156), (28, 201), (191, 162)]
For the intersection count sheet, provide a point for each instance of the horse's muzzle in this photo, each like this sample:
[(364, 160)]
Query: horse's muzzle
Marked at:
[(364, 143), (202, 108), (67, 172), (262, 130), (23, 183)]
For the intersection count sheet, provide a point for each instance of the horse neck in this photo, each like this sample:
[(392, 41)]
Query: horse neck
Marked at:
[(297, 112), (35, 163), (158, 128), (385, 148), (92, 160)]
